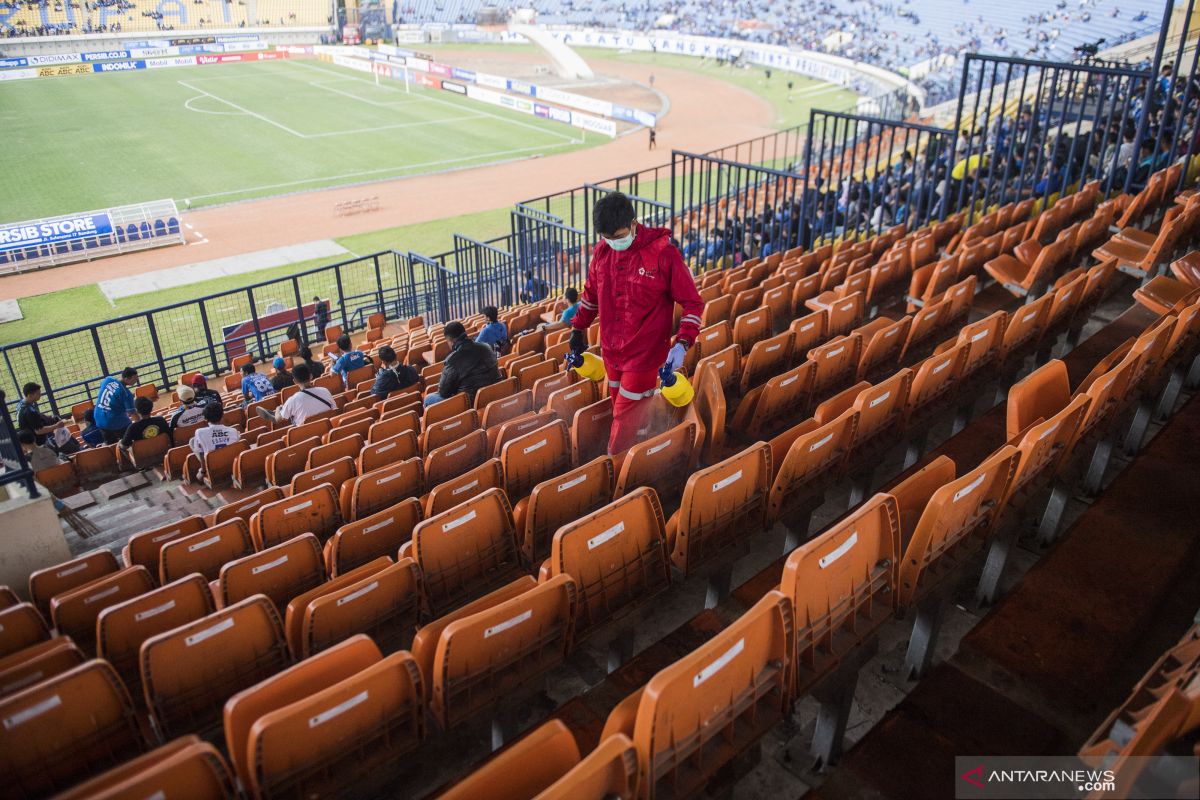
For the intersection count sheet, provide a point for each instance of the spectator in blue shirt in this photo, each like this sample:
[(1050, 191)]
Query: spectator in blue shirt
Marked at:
[(348, 358), (114, 403), (572, 297), (535, 289), (255, 386), (495, 333)]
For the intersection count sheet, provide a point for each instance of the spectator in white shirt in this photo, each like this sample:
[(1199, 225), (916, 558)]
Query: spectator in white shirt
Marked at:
[(214, 436), (191, 411), (307, 402)]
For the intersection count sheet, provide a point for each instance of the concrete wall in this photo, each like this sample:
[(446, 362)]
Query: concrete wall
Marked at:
[(30, 536)]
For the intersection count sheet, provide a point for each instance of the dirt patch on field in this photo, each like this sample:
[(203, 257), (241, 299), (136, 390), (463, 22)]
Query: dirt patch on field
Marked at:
[(705, 114)]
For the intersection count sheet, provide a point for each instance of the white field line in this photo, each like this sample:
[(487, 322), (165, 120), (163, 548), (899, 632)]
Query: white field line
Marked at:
[(247, 111), (432, 99), (384, 170)]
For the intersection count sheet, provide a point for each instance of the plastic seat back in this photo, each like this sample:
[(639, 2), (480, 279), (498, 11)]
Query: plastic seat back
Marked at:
[(561, 499), (466, 551), (661, 463), (751, 327), (483, 657), (500, 411), (380, 453), (723, 505), (245, 508), (527, 768), (189, 672), (143, 548), (698, 714), (935, 379), (837, 363), (250, 467), (379, 534), (846, 314), (280, 572), (767, 357), (1025, 326), (293, 616), (496, 391), (617, 557), (812, 460), (391, 425), (205, 552), (983, 340), (530, 375), (566, 401), (288, 461), (926, 322), (332, 475), (544, 387), (47, 582), (334, 451), (448, 430), (333, 737), (309, 430), (1039, 395), (590, 430), (218, 464), (121, 628), (312, 511), (609, 771), (881, 408), (955, 523), (385, 605), (64, 729), (527, 460), (714, 338), (1046, 444), (841, 586), (777, 404), (74, 613), (446, 495), (21, 626), (452, 460)]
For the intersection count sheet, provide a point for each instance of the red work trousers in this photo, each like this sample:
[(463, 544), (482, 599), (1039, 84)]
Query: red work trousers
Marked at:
[(630, 393)]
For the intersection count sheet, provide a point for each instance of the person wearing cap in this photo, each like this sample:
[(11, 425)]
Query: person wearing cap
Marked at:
[(281, 378), (203, 393), (469, 367), (190, 412), (636, 277)]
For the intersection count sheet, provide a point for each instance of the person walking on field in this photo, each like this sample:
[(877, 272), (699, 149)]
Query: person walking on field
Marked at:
[(636, 277), (653, 138)]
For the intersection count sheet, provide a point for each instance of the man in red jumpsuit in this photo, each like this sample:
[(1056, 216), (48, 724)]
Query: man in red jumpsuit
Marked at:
[(635, 279)]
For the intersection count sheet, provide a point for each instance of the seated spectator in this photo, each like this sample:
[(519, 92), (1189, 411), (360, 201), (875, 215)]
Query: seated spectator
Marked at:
[(469, 367), (203, 393), (494, 333), (146, 424), (348, 358), (571, 295), (309, 401), (535, 289), (213, 436), (39, 456), (281, 378), (190, 412), (114, 402), (315, 368), (91, 435), (392, 375), (255, 386), (30, 417)]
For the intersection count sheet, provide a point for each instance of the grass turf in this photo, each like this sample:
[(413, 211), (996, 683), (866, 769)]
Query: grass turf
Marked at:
[(239, 131)]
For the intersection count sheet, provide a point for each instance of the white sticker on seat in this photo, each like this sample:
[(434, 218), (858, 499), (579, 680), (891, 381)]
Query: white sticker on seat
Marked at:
[(153, 612), (394, 476), (208, 633), (535, 446), (883, 397), (378, 525), (891, 332), (1029, 316), (338, 710), (840, 551), (847, 307), (454, 523), (789, 381), (572, 395), (385, 448), (300, 507), (821, 443), (719, 364), (451, 425), (721, 484), (966, 490), (456, 450), (1048, 431), (772, 348), (716, 666), (350, 598), (508, 403), (601, 538), (166, 535), (203, 543), (269, 565), (71, 570), (28, 680), (562, 487), (940, 367), (509, 623), (712, 335), (466, 487), (250, 505), (33, 711), (324, 474), (87, 601), (979, 336), (602, 415), (651, 451), (807, 327), (836, 352)]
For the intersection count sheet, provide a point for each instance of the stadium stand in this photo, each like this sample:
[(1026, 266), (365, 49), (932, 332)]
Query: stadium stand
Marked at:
[(900, 439)]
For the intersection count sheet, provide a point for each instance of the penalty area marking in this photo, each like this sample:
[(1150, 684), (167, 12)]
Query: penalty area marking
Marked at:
[(188, 105)]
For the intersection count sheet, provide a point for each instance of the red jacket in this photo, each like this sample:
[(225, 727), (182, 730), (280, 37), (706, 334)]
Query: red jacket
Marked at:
[(634, 292)]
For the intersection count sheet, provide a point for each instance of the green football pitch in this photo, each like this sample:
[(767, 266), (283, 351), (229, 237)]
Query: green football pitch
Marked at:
[(229, 132)]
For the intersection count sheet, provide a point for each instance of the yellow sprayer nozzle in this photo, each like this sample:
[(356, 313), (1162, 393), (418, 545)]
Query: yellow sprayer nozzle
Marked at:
[(592, 367), (680, 392)]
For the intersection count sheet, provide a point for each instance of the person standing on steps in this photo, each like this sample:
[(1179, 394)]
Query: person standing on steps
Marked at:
[(653, 138), (636, 277)]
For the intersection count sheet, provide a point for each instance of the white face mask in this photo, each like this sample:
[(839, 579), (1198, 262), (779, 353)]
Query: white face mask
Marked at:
[(624, 242)]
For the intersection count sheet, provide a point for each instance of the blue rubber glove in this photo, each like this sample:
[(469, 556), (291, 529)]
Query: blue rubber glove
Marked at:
[(675, 358)]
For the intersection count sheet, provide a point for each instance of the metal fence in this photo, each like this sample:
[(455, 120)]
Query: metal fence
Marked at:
[(16, 468), (866, 174)]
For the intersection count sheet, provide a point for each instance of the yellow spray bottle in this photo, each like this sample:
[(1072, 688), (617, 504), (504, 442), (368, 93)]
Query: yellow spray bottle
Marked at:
[(587, 365), (676, 388)]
